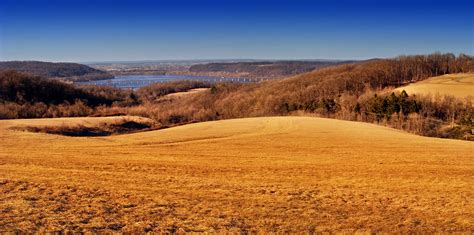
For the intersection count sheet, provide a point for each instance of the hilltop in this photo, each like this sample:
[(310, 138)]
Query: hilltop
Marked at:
[(65, 71), (458, 85), (271, 174)]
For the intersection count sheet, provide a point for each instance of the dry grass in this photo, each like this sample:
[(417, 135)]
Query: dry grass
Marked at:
[(186, 93), (459, 85), (183, 94), (279, 174)]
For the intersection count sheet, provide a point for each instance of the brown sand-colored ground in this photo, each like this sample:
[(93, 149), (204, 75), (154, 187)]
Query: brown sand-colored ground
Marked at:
[(277, 174), (459, 85)]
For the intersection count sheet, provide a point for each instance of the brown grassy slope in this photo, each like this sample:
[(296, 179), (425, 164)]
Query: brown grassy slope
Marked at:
[(275, 174), (460, 85), (181, 94)]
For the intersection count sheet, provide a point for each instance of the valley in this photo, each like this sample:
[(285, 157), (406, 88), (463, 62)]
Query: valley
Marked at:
[(348, 148), (236, 117)]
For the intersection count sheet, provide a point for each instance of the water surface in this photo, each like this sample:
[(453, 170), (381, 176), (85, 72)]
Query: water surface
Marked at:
[(137, 81)]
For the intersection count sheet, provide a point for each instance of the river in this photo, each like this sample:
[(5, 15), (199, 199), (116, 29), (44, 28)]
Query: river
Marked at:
[(137, 81)]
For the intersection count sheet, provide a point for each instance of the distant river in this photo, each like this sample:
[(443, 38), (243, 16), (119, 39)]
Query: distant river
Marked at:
[(137, 81)]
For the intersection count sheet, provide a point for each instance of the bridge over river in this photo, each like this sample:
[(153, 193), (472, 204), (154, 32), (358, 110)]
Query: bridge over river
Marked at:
[(135, 82)]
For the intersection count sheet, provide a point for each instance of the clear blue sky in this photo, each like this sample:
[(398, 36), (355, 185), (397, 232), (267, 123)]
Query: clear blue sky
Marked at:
[(109, 30)]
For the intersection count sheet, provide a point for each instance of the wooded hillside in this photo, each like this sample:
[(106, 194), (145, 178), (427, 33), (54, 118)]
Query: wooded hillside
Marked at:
[(264, 69), (67, 71), (27, 96)]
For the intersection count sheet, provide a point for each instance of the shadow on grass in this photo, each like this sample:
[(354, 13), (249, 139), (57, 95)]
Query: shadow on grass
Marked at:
[(102, 129)]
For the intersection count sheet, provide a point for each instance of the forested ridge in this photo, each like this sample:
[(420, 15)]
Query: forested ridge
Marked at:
[(67, 71), (261, 69), (358, 92)]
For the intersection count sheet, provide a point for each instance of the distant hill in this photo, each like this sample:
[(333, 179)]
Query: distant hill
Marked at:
[(262, 69), (66, 71), (253, 69)]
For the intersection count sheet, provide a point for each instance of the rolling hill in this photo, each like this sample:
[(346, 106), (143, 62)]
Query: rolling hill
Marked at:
[(67, 71), (284, 174), (459, 85)]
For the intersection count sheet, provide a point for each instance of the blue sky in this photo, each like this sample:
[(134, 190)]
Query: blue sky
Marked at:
[(107, 30)]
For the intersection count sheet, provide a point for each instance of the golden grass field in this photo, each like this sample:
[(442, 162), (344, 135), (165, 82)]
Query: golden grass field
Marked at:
[(178, 95), (273, 174), (184, 93), (460, 85)]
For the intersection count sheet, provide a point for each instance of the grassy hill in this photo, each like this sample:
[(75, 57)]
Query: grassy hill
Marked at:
[(457, 85), (271, 174), (67, 71)]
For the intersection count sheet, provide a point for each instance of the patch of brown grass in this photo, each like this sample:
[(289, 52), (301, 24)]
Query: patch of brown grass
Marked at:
[(459, 85)]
